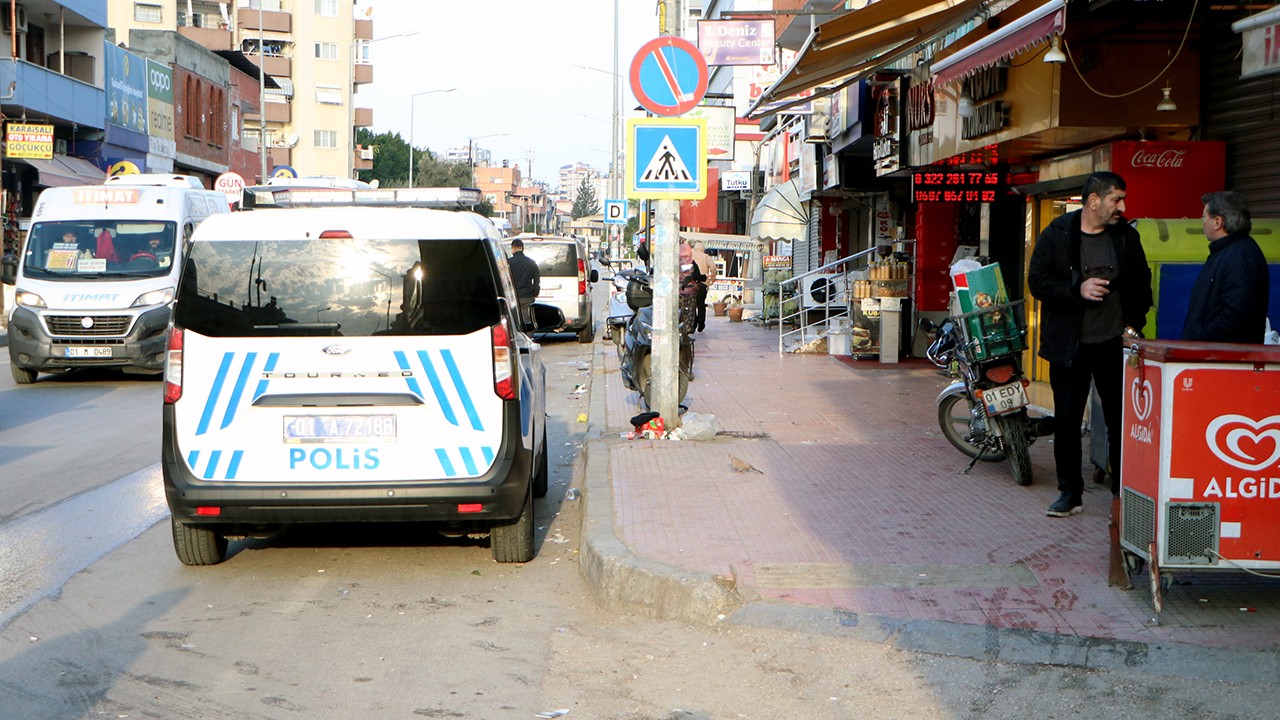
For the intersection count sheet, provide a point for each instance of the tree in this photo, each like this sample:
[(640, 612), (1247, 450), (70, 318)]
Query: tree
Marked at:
[(585, 202), (390, 158)]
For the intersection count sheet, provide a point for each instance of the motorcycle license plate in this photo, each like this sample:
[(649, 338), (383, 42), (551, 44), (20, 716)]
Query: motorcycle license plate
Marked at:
[(1005, 399)]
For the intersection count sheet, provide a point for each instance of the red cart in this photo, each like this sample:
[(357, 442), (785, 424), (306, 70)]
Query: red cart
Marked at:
[(1200, 468)]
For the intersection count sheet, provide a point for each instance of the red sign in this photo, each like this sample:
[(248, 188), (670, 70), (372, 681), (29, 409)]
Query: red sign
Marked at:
[(1140, 461), (701, 214), (941, 184), (1166, 179), (669, 76)]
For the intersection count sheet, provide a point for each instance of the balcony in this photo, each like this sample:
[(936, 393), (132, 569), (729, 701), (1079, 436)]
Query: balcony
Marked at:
[(363, 74), (364, 30), (277, 112), (271, 20), (364, 117), (209, 38), (364, 158), (281, 156), (276, 65)]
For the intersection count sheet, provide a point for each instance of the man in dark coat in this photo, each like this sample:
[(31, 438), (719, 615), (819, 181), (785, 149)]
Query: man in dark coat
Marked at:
[(1090, 274), (1229, 299), (526, 277)]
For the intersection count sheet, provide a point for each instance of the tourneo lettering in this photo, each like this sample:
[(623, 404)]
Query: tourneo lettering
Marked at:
[(377, 374)]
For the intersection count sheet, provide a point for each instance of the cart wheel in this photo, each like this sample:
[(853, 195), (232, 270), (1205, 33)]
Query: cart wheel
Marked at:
[(1133, 562)]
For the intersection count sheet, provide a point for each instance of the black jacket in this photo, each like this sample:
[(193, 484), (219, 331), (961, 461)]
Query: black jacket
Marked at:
[(1229, 300), (1054, 278), (525, 275)]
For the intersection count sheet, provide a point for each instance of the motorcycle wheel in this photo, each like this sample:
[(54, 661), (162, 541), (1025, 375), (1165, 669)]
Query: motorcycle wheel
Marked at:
[(955, 417), (1017, 446), (643, 374)]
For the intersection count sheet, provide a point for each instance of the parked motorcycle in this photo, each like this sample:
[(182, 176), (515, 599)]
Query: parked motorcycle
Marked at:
[(983, 414), (619, 313), (636, 351)]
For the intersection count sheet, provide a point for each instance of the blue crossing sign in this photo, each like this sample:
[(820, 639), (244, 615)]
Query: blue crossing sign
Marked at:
[(667, 158)]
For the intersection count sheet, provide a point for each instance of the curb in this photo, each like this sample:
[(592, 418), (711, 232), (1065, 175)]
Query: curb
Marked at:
[(619, 578)]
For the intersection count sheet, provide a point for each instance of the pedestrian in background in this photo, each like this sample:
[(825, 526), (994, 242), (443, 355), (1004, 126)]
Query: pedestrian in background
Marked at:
[(1090, 274), (527, 279), (1229, 299), (707, 265)]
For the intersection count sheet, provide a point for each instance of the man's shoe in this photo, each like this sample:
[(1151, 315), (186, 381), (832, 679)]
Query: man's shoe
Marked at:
[(1064, 506)]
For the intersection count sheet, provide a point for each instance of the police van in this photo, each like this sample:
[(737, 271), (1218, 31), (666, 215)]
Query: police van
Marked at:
[(95, 281), (352, 355)]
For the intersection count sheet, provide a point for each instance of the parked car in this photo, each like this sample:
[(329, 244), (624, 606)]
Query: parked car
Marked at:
[(351, 364), (566, 280)]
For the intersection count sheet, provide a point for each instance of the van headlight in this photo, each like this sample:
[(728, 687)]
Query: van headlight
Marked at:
[(155, 297), (29, 299)]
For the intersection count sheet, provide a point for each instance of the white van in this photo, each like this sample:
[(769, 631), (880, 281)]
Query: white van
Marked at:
[(336, 362), (97, 274)]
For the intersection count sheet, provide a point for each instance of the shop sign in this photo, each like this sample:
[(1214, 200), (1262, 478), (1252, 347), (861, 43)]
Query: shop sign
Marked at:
[(920, 111), (748, 86), (987, 118), (885, 154), (735, 180), (720, 129), (1260, 35), (776, 262), (126, 80), (26, 140), (160, 113), (830, 172), (934, 184), (736, 42), (1166, 179)]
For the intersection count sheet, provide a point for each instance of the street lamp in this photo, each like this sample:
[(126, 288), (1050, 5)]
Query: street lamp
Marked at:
[(412, 98), (357, 49)]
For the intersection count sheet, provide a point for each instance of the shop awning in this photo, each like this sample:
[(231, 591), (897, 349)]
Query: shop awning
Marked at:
[(721, 241), (857, 44), (88, 173), (64, 171), (1031, 29), (781, 214)]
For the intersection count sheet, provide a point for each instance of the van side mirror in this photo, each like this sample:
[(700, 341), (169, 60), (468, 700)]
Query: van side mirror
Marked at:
[(9, 269), (546, 318), (595, 276)]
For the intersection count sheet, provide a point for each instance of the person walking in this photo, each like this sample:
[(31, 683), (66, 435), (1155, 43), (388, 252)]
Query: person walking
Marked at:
[(1230, 295), (527, 279), (707, 265), (1090, 274)]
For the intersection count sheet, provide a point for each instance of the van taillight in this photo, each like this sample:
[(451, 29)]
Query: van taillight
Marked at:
[(173, 367), (582, 277), (503, 380)]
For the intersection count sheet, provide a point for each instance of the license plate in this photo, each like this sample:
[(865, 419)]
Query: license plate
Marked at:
[(1005, 399), (338, 428), (89, 352)]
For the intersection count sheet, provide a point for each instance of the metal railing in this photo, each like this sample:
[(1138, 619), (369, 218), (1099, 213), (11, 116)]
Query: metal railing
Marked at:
[(812, 323)]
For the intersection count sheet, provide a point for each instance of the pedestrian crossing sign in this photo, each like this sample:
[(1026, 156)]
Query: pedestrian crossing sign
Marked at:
[(667, 158)]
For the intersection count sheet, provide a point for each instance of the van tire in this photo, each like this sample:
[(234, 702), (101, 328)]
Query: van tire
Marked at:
[(21, 375), (198, 544), (588, 333), (541, 480), (512, 542)]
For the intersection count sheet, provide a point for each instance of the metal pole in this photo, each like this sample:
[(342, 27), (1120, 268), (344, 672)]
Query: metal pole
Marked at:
[(262, 98), (665, 256), (412, 99), (615, 185)]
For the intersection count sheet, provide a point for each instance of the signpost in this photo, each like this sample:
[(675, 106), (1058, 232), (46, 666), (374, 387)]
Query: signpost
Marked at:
[(615, 212), (232, 185), (666, 158), (669, 76)]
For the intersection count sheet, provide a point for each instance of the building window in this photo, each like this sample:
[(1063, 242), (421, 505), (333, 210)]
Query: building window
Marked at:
[(328, 8), (326, 138), (143, 12), (328, 95), (326, 51), (235, 122)]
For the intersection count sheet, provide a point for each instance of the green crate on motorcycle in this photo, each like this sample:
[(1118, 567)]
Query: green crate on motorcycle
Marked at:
[(990, 325)]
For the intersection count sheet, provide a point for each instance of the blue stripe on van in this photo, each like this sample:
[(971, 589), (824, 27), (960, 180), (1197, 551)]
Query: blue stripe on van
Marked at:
[(234, 467), (271, 365), (214, 392), (467, 460), (403, 362), (445, 462), (488, 454), (461, 387), (437, 388), (236, 393), (212, 467), (192, 458)]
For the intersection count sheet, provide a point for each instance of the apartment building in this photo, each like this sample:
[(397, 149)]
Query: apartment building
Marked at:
[(315, 53), (499, 185)]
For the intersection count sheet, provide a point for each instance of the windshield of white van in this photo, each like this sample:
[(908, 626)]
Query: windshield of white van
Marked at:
[(348, 287), (99, 249)]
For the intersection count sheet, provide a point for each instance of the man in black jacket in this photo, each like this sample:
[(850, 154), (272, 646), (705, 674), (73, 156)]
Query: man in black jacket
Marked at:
[(1090, 274), (1229, 299), (526, 277)]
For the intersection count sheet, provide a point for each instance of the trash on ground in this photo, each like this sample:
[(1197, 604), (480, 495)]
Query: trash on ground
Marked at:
[(558, 538), (552, 713), (582, 417), (581, 388), (573, 494), (699, 426)]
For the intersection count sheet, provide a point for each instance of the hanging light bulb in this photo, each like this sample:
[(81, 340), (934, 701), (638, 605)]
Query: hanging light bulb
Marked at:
[(1166, 103), (965, 106), (1055, 54)]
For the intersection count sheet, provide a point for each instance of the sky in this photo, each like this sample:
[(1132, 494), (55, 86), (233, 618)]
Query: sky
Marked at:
[(514, 66)]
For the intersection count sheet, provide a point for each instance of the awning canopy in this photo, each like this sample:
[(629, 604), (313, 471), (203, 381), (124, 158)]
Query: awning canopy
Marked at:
[(721, 241), (89, 173), (64, 171), (1031, 29), (781, 214), (857, 44)]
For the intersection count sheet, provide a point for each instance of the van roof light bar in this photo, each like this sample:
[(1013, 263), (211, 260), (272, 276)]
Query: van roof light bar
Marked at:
[(262, 197)]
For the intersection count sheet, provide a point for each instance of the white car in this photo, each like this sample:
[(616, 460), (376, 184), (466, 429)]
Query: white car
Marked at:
[(565, 280)]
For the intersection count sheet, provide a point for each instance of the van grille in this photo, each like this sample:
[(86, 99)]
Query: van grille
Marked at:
[(102, 325)]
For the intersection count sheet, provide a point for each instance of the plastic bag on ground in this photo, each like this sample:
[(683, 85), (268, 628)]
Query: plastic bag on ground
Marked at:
[(699, 426)]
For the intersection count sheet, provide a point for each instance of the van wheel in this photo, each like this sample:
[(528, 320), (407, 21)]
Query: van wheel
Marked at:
[(540, 481), (198, 544), (21, 375), (588, 333), (513, 541)]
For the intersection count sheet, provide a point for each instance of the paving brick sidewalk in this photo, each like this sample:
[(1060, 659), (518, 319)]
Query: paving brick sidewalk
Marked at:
[(861, 507)]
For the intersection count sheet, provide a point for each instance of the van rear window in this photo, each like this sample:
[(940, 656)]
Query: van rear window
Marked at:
[(554, 259), (339, 287)]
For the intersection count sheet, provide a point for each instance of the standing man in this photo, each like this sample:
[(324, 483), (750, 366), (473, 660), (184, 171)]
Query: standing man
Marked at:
[(1090, 274), (707, 265), (527, 279), (1229, 299)]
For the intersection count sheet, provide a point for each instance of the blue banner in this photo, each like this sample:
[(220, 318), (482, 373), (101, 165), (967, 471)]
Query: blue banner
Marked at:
[(126, 80)]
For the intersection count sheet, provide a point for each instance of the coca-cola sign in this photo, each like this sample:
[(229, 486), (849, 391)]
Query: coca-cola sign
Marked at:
[(1168, 158)]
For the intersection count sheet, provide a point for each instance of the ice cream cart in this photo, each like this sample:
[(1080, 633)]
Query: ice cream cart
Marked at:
[(1200, 467)]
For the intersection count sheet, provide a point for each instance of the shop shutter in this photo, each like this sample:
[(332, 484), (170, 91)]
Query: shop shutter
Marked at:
[(815, 235), (1242, 113)]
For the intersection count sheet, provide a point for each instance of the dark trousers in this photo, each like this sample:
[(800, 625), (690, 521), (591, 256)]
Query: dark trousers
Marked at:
[(702, 305), (1103, 364)]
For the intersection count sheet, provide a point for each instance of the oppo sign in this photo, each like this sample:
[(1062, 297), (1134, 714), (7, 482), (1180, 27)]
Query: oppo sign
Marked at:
[(160, 80)]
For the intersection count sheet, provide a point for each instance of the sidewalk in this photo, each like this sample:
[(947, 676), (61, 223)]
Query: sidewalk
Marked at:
[(861, 523)]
